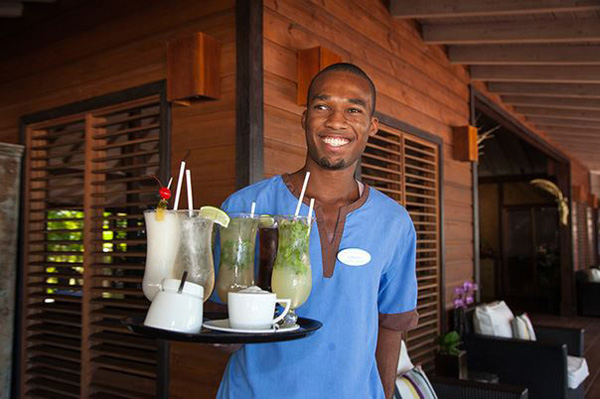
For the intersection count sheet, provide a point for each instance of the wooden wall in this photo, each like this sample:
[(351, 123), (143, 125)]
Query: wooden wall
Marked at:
[(123, 45), (416, 84)]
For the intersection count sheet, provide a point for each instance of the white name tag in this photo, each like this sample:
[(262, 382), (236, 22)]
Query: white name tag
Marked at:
[(354, 256)]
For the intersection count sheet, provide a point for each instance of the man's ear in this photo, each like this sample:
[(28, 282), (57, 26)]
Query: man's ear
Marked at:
[(374, 127), (303, 120)]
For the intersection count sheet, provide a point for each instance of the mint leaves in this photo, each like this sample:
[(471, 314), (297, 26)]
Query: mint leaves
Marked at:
[(292, 251)]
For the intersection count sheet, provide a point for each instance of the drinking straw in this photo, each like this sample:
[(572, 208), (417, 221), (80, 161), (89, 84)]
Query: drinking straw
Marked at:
[(170, 181), (188, 181), (179, 180), (310, 212), (302, 194), (182, 284), (252, 209)]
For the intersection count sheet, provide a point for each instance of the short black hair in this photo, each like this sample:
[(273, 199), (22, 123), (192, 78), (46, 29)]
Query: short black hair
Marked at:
[(345, 67)]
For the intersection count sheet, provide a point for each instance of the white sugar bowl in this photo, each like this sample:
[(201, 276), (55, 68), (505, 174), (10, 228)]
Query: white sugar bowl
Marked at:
[(174, 311)]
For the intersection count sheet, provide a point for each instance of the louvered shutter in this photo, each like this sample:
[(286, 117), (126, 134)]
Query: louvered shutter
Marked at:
[(87, 186), (406, 168)]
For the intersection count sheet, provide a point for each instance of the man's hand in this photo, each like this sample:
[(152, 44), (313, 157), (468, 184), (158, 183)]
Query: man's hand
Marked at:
[(387, 353)]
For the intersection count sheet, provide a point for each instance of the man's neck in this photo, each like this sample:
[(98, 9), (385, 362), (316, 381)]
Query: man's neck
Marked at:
[(328, 187)]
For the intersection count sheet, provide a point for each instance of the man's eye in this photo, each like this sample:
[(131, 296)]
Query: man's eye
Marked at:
[(355, 110), (320, 106)]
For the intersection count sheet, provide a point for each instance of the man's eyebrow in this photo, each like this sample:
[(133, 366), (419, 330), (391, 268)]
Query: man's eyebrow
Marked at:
[(320, 97), (358, 101)]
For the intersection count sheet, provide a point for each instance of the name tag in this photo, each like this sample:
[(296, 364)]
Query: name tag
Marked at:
[(354, 256)]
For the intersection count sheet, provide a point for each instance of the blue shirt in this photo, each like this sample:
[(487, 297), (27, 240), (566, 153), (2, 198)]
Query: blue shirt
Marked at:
[(337, 361)]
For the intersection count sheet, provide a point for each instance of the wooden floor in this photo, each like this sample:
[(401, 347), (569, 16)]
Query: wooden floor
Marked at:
[(592, 345)]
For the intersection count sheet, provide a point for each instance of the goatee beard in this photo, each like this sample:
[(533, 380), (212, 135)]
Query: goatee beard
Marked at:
[(325, 163)]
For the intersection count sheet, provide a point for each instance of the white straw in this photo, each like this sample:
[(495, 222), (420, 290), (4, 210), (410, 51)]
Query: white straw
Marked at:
[(179, 180), (302, 194), (188, 180), (170, 181), (252, 209), (310, 212)]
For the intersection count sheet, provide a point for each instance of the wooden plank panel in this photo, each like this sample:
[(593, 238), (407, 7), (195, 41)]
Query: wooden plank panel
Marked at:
[(558, 121), (475, 8), (513, 32)]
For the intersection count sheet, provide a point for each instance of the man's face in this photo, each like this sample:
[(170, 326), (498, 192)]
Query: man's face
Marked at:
[(338, 120)]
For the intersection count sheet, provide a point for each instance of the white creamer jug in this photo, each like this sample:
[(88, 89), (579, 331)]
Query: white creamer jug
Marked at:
[(181, 312)]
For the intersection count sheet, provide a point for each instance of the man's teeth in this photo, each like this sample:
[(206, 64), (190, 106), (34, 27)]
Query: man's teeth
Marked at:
[(335, 142)]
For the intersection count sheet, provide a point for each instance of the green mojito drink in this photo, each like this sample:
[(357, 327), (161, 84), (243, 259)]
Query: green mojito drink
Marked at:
[(236, 268), (292, 275)]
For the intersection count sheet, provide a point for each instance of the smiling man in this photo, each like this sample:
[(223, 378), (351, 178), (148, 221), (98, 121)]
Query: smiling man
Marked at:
[(364, 305)]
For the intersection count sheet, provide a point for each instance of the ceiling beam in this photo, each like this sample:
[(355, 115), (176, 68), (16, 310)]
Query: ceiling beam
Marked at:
[(557, 121), (558, 54), (404, 9), (563, 113), (552, 102), (546, 89), (584, 30), (558, 74), (571, 129), (12, 9)]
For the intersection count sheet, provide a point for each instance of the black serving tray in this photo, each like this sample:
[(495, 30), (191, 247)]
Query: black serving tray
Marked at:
[(206, 336)]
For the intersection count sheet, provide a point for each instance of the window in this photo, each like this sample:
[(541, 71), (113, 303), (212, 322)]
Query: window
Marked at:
[(87, 184), (406, 168)]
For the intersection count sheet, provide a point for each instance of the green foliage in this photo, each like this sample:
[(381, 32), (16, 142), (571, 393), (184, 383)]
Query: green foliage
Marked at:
[(237, 254), (292, 250), (449, 343)]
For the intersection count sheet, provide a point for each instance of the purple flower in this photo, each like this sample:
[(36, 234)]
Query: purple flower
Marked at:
[(469, 299), (459, 291), (459, 303)]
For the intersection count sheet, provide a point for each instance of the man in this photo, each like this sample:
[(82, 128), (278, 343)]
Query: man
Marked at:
[(363, 308)]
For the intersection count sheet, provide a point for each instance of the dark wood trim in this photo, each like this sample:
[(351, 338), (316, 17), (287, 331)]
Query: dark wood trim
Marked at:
[(165, 138), (475, 200), (509, 122), (249, 157), (415, 131), (97, 102), (511, 178), (410, 129)]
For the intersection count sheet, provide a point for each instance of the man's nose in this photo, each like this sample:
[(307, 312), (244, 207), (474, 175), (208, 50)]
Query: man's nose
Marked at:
[(336, 120)]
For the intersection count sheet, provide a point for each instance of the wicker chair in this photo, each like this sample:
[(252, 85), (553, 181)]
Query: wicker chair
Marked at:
[(540, 365), (450, 388)]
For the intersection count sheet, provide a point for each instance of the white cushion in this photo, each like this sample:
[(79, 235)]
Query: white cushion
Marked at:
[(594, 275), (404, 363), (577, 370), (522, 328), (414, 385), (493, 319)]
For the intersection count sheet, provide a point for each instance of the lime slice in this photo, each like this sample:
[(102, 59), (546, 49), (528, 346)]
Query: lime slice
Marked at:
[(215, 214), (266, 221)]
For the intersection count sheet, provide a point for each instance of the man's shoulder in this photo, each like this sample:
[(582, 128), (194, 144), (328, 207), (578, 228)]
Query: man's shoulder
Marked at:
[(252, 192), (386, 206)]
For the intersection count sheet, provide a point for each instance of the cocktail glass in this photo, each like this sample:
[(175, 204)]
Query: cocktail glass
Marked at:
[(195, 251), (236, 268), (163, 237), (267, 244), (292, 274)]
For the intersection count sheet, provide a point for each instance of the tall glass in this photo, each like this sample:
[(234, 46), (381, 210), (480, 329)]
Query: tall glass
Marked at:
[(236, 268), (267, 244), (292, 274), (195, 251), (163, 237)]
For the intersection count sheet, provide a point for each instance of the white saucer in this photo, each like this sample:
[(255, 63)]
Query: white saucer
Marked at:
[(223, 325)]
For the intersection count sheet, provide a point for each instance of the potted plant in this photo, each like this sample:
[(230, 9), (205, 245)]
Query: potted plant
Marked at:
[(451, 361)]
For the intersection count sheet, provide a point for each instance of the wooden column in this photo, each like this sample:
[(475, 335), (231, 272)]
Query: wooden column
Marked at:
[(310, 62)]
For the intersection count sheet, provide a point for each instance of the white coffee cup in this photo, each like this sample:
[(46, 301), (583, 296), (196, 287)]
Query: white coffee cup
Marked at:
[(173, 311), (254, 311)]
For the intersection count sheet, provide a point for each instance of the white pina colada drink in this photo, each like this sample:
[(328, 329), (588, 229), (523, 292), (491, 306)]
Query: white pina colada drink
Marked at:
[(236, 267), (163, 237), (292, 275), (195, 251)]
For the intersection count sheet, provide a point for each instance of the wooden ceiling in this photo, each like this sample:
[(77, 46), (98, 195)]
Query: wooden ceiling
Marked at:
[(541, 56)]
